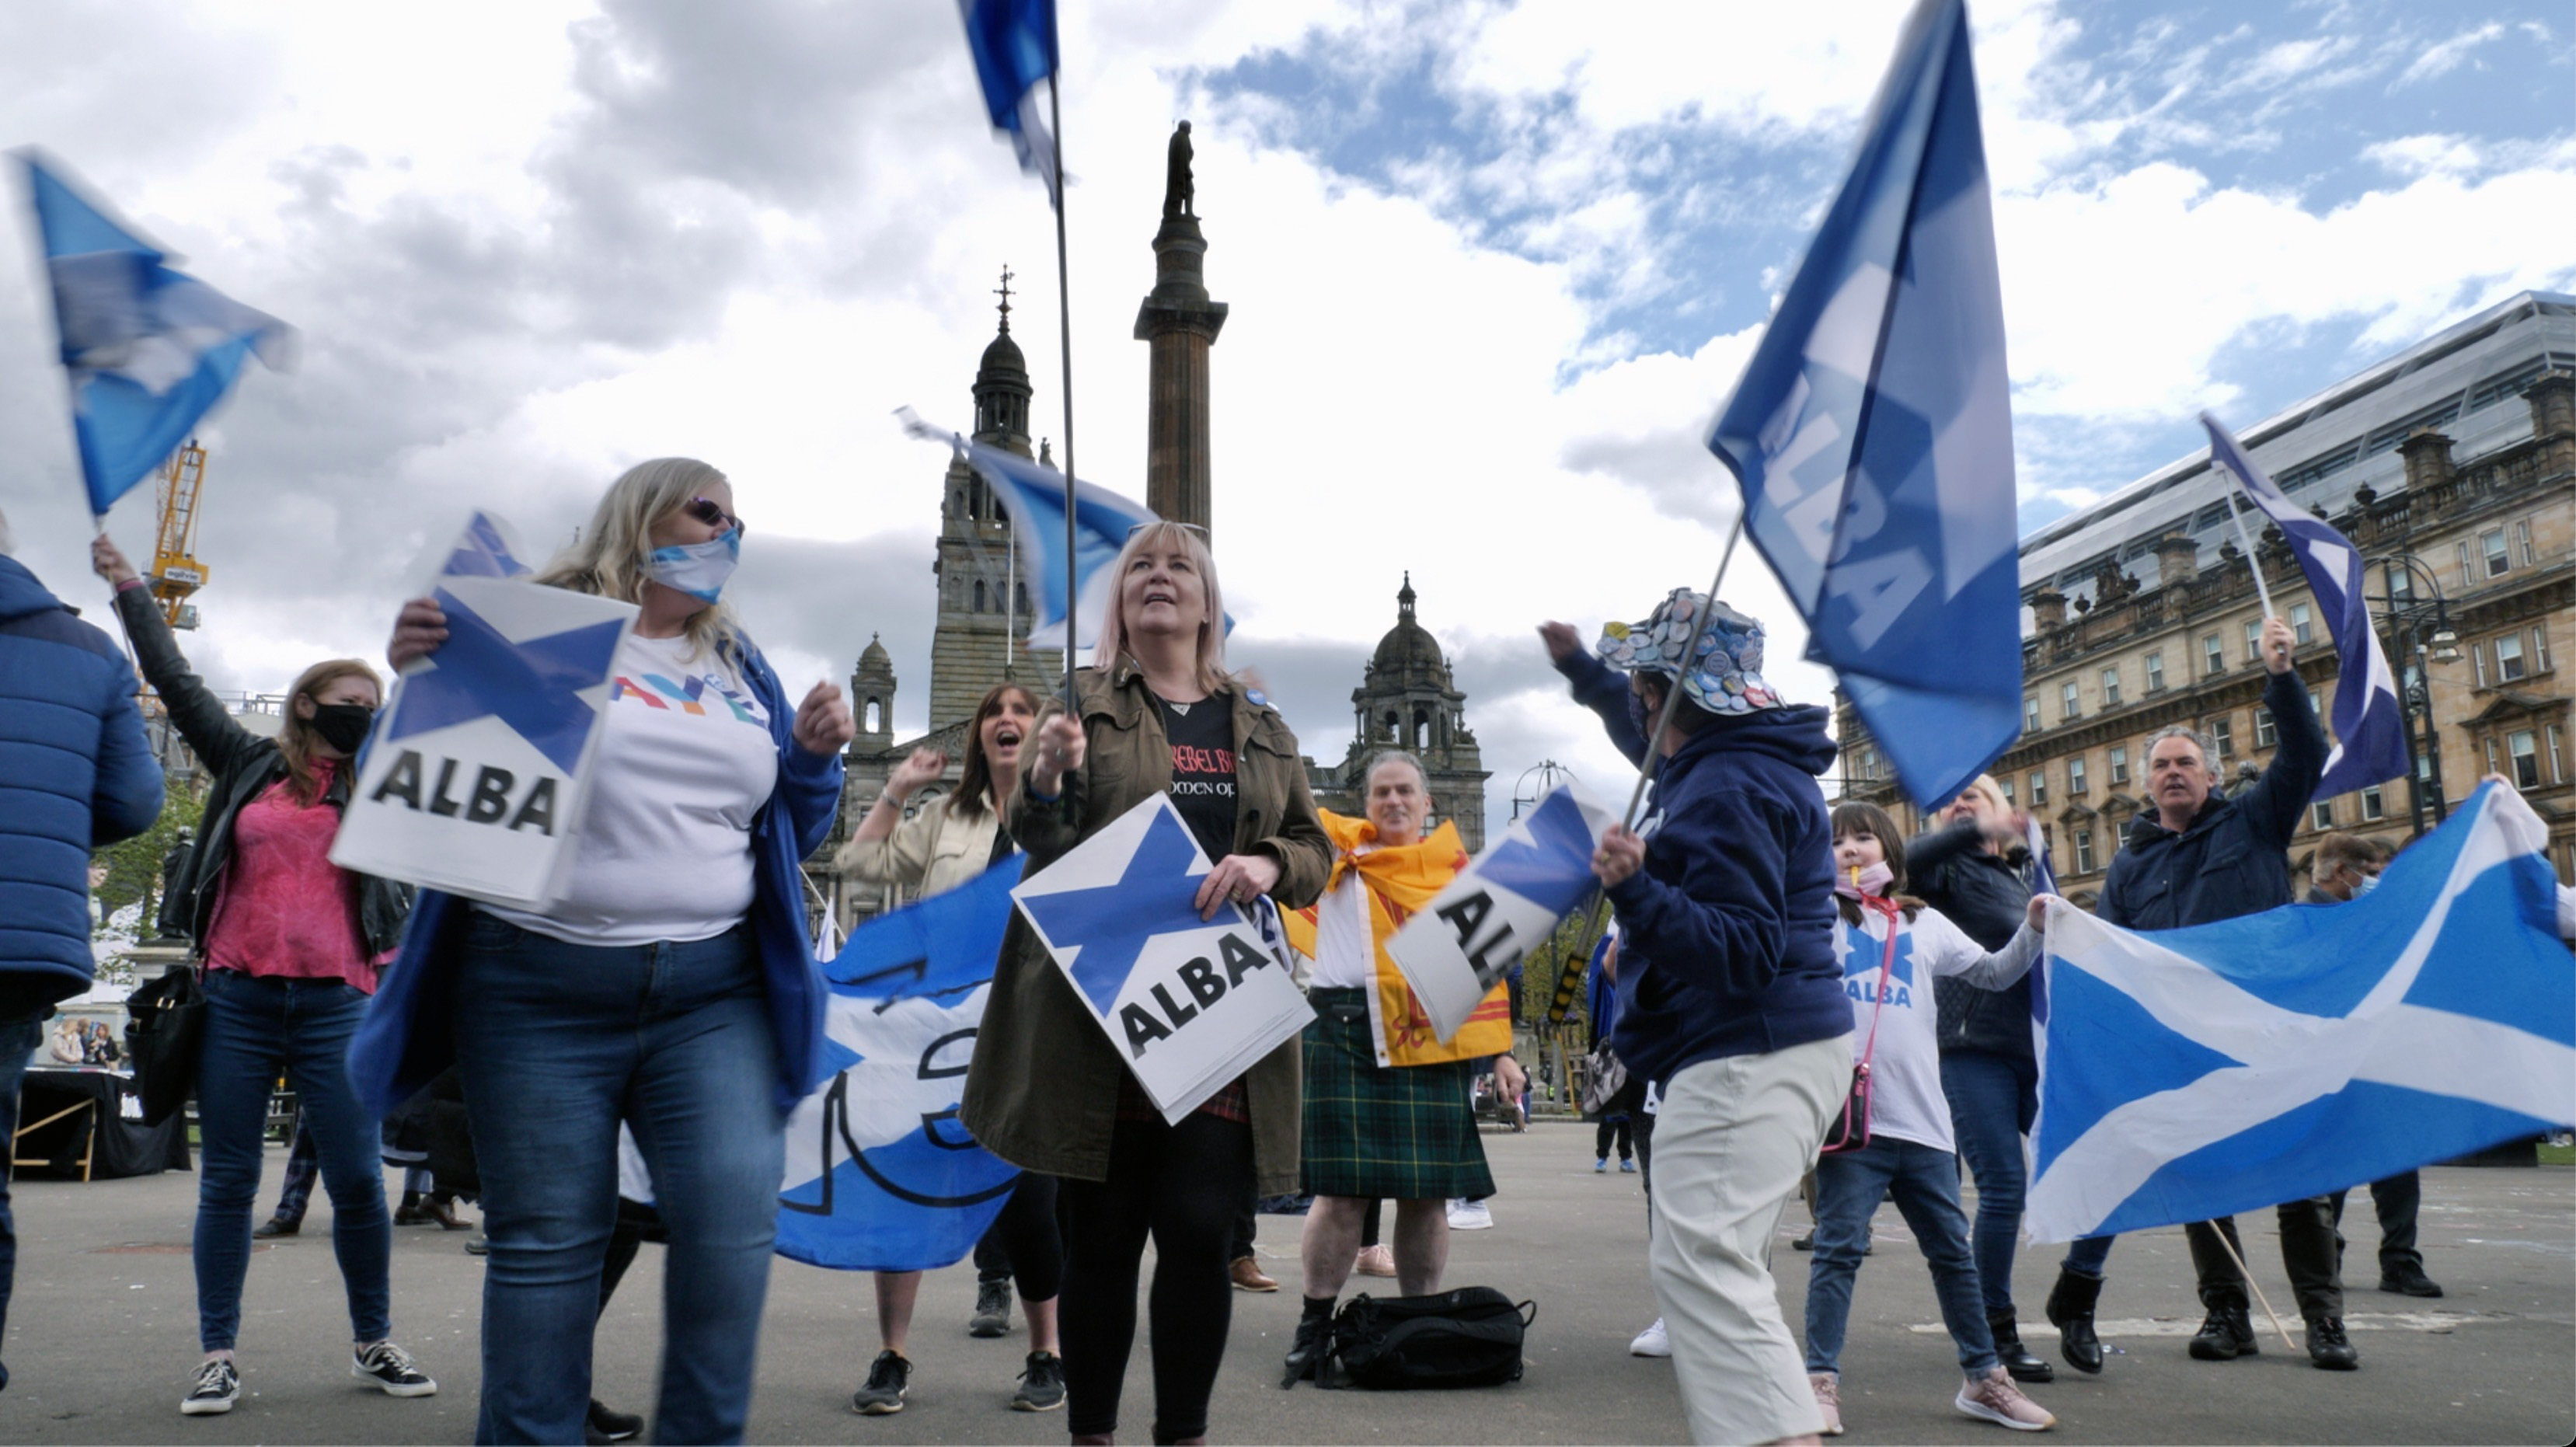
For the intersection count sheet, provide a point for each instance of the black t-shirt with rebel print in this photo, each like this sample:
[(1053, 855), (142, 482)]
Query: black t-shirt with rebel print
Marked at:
[(1202, 737)]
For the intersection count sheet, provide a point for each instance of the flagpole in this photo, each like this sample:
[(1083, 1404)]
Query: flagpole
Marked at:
[(1064, 336), (2262, 589), (2230, 1248)]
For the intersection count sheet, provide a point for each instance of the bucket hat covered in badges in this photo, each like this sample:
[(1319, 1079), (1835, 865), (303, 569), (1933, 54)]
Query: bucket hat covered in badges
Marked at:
[(1724, 677)]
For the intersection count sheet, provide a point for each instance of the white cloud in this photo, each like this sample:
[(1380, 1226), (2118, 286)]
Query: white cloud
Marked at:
[(2443, 58)]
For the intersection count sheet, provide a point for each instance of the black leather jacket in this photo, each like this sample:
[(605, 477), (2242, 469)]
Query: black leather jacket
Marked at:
[(241, 764), (1986, 896)]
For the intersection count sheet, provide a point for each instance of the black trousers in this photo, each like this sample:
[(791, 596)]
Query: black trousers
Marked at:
[(2308, 1254), (2395, 1201), (1183, 1185), (1613, 1129)]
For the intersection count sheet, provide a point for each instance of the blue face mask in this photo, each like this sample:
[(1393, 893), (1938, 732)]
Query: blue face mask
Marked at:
[(698, 569), (2365, 885)]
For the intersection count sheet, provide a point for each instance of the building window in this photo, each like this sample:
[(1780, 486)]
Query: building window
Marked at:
[(2557, 756), (2508, 658), (2156, 671), (2468, 575), (2119, 763), (2540, 650), (2253, 640), (2300, 623), (2266, 733), (2522, 543), (2213, 652), (2478, 657), (2038, 787), (2067, 706), (2491, 548), (979, 595), (2006, 785), (2222, 734), (2401, 587), (2075, 783), (1869, 763), (2084, 851), (875, 716), (2030, 713), (2373, 804), (2524, 749), (2110, 687), (2323, 812)]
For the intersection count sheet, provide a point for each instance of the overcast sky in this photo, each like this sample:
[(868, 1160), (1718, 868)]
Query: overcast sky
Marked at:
[(1492, 267)]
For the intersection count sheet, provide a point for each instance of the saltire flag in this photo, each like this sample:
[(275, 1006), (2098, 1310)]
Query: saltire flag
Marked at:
[(1872, 431), (1014, 46), (1477, 930), (1033, 494), (880, 1176), (2369, 723), (2196, 1072), (149, 349)]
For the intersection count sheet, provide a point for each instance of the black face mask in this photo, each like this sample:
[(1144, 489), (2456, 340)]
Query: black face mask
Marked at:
[(343, 725)]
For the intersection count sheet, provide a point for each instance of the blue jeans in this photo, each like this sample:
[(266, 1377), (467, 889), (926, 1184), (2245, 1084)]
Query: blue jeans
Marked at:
[(258, 1027), (556, 1043), (1925, 1183), (19, 1038), (2088, 1256), (1993, 1099)]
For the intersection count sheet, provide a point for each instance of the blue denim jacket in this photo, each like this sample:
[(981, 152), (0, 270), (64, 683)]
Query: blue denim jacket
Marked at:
[(409, 1033)]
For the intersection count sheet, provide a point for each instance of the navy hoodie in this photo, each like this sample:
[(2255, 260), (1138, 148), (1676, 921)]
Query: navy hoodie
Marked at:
[(1727, 934)]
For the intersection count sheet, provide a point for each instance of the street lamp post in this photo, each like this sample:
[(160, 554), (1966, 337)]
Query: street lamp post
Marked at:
[(2421, 629), (1550, 774)]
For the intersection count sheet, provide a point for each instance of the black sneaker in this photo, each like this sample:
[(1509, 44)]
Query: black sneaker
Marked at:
[(605, 1426), (1042, 1385), (992, 1309), (2328, 1347), (218, 1387), (888, 1378), (2409, 1282), (2225, 1334), (389, 1367), (275, 1226)]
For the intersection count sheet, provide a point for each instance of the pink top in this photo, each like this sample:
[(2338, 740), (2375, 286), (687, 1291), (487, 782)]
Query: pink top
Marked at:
[(286, 910)]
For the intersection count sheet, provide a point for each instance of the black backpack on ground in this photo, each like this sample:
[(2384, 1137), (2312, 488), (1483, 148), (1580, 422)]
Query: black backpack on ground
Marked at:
[(1470, 1337)]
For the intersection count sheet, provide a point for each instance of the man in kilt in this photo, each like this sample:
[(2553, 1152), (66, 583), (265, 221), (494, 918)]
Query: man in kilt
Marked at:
[(1388, 1111)]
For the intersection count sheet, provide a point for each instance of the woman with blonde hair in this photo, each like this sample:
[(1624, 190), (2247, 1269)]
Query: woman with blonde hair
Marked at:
[(1158, 714), (940, 846), (669, 985), (290, 946)]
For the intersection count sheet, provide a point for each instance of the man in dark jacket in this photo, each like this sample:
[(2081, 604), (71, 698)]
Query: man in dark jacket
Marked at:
[(2201, 857), (1730, 987), (75, 774), (1973, 869)]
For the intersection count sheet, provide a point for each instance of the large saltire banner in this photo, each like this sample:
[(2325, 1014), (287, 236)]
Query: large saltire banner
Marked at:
[(880, 1175), (474, 777)]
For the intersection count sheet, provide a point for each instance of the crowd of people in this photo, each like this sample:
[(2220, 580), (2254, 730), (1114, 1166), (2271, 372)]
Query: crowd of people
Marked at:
[(623, 1059)]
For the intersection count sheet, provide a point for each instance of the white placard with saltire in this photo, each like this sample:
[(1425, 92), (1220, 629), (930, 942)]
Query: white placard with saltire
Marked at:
[(1189, 1004), (1501, 907), (474, 777)]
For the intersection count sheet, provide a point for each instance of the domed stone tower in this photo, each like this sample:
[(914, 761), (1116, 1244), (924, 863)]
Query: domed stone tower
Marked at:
[(983, 622), (1406, 700), (872, 698)]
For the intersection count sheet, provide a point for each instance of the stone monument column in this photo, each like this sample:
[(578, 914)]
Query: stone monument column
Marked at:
[(1179, 323)]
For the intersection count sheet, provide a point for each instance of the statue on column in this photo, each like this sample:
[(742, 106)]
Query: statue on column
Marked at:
[(1180, 193)]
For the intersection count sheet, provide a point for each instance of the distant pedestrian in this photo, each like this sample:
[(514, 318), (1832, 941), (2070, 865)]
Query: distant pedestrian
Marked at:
[(291, 945), (79, 775)]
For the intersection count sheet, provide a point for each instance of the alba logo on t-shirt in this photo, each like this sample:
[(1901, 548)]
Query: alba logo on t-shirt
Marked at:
[(1861, 965)]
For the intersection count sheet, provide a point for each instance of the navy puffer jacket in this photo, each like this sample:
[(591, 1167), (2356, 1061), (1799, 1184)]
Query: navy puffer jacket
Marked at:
[(75, 774)]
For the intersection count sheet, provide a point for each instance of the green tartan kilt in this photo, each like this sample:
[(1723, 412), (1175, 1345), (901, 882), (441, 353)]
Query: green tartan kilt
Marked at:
[(1382, 1132)]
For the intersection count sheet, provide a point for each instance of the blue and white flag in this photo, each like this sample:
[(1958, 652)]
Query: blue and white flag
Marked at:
[(1189, 1004), (480, 762), (1013, 42), (1504, 904), (2369, 723), (1033, 496), (2043, 880), (880, 1176), (1872, 431), (2196, 1072), (150, 350)]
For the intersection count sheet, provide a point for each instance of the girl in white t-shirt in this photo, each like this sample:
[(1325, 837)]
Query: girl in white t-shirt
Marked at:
[(1892, 947)]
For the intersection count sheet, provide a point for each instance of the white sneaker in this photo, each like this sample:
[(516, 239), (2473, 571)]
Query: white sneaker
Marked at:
[(1467, 1215), (1652, 1342)]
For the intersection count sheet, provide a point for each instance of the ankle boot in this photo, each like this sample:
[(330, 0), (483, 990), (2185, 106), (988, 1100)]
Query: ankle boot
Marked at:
[(2070, 1310), (2016, 1358), (408, 1213)]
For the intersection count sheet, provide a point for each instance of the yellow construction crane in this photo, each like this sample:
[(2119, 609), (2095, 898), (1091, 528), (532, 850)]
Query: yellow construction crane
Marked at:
[(176, 573)]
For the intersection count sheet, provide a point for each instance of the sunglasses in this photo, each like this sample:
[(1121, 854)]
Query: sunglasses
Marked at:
[(713, 516), (1190, 527)]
